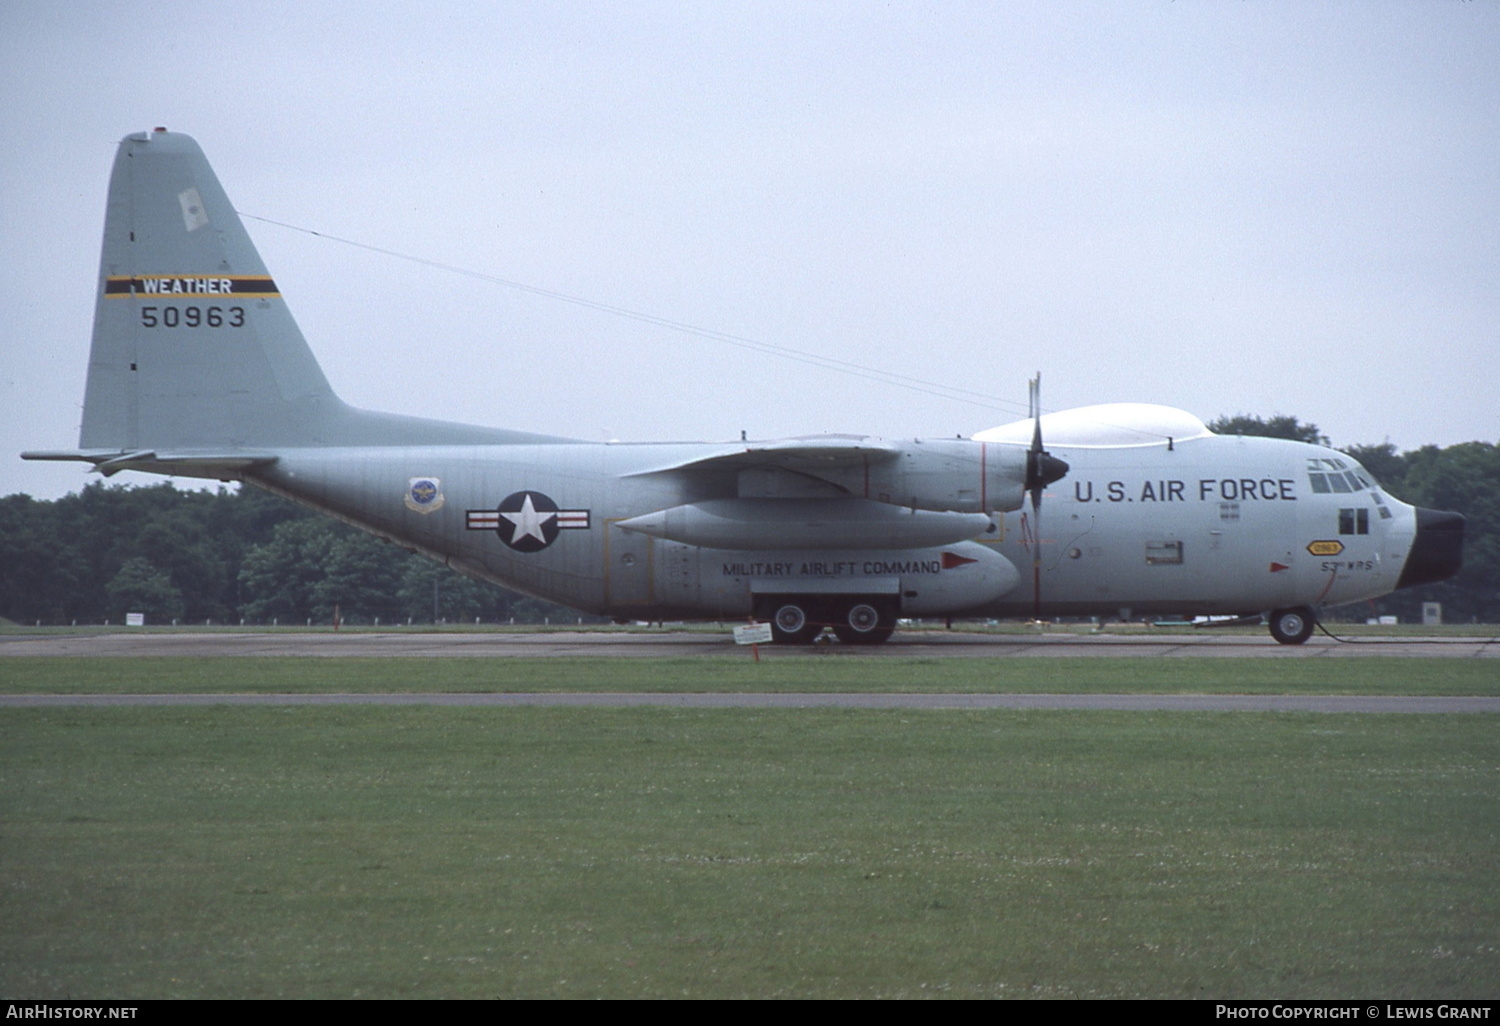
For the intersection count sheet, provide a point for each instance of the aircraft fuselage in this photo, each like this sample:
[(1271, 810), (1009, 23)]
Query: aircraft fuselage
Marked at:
[(1210, 525)]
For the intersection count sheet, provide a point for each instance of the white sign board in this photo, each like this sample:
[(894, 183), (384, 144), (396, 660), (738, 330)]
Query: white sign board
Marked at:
[(135, 619), (753, 634)]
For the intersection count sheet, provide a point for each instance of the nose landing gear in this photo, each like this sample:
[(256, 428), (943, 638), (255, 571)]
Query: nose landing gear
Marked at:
[(1292, 626)]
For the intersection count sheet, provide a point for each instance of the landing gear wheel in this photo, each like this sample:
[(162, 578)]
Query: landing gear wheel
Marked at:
[(1292, 626), (790, 625), (864, 624)]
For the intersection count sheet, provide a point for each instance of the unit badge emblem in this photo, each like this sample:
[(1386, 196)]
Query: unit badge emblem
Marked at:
[(527, 521), (424, 494)]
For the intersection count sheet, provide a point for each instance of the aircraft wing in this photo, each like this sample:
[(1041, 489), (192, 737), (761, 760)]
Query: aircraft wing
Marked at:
[(798, 455)]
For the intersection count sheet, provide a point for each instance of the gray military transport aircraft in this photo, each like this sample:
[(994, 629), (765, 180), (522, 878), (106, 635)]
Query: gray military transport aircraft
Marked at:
[(197, 369)]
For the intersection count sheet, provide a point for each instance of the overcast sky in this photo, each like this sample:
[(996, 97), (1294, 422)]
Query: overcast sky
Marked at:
[(1227, 207)]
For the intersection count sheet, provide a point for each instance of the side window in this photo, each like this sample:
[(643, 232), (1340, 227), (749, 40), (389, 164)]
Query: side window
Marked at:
[(1354, 521)]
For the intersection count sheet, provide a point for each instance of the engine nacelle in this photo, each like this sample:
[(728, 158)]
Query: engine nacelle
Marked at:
[(952, 474), (942, 475)]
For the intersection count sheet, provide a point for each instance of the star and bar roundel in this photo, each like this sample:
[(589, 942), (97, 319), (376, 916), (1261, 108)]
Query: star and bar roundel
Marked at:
[(527, 521)]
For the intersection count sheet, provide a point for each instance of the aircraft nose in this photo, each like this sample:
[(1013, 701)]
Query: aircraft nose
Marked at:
[(1437, 551)]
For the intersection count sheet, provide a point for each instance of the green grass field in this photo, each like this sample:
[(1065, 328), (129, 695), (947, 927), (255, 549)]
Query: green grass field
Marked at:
[(334, 852), (734, 671)]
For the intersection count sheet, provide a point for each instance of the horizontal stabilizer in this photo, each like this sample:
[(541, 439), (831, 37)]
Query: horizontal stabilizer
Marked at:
[(220, 466)]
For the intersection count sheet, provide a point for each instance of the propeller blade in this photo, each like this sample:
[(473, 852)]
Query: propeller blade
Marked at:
[(1034, 403), (1034, 485), (1036, 554), (1042, 468)]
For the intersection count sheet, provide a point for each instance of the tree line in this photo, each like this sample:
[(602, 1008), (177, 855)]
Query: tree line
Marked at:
[(222, 557), (196, 556)]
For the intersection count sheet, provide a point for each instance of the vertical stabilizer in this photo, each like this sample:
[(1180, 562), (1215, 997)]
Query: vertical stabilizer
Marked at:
[(193, 345)]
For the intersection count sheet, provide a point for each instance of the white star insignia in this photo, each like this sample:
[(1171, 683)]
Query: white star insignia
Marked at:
[(528, 522)]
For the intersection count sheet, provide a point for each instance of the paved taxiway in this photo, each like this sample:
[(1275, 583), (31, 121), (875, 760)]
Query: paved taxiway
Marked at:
[(418, 644), (763, 700)]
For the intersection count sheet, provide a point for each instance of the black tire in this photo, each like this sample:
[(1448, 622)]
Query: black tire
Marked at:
[(1292, 626), (864, 623), (792, 624)]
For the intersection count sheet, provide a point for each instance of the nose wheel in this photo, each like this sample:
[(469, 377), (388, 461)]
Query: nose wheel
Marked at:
[(1292, 626)]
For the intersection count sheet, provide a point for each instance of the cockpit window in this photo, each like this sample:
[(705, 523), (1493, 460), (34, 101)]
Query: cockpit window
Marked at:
[(1326, 475)]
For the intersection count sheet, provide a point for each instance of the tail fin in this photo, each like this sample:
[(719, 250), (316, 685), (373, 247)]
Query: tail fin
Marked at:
[(194, 350)]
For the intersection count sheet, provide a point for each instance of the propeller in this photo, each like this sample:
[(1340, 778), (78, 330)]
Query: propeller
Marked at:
[(1042, 468)]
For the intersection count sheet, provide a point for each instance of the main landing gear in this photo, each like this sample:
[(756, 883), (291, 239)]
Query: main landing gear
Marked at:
[(1292, 626), (791, 623), (799, 619)]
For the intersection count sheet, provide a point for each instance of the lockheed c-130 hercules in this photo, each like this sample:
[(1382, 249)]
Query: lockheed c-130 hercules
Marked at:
[(197, 369)]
